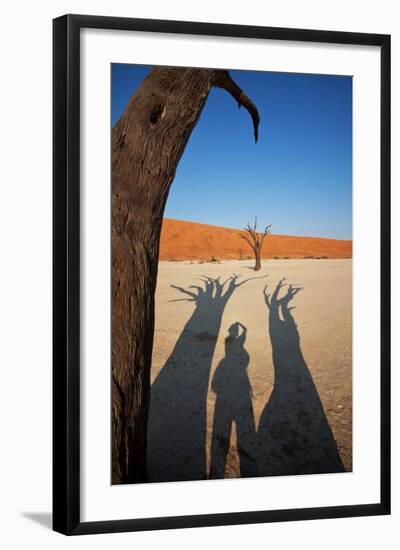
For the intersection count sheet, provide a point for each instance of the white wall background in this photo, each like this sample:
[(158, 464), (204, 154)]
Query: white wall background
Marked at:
[(25, 289)]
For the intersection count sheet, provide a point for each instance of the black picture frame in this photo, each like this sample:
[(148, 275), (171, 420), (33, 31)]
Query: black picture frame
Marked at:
[(66, 273)]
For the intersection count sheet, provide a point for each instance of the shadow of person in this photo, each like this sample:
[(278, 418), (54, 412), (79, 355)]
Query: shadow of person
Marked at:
[(178, 403), (233, 405), (294, 435)]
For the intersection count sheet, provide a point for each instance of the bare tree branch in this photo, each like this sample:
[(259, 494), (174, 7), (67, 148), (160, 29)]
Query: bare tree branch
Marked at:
[(247, 240), (222, 79), (267, 231)]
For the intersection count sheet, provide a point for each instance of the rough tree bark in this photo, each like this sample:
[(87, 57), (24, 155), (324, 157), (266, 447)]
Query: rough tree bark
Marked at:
[(147, 144), (255, 241)]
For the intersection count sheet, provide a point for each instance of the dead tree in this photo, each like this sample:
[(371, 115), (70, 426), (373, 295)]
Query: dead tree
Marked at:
[(147, 144), (255, 241)]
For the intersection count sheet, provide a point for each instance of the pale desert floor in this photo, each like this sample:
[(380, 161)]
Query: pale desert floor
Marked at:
[(282, 412)]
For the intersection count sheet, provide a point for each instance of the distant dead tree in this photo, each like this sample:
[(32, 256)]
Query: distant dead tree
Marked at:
[(255, 240), (241, 254), (147, 144)]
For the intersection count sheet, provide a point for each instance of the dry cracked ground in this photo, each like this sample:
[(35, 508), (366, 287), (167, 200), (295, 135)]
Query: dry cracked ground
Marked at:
[(252, 371)]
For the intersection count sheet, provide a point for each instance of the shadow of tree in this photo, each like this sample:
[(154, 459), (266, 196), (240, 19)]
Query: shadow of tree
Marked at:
[(294, 436), (178, 405), (233, 405)]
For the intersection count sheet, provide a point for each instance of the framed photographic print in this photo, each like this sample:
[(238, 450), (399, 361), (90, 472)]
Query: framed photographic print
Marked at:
[(221, 274)]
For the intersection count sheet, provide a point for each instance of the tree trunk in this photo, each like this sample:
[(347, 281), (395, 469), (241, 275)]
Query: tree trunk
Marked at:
[(147, 144), (257, 252)]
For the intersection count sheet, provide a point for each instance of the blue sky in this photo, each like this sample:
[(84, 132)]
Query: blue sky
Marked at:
[(298, 177)]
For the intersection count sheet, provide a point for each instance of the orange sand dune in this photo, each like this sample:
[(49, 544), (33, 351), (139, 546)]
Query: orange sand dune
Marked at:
[(181, 240)]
